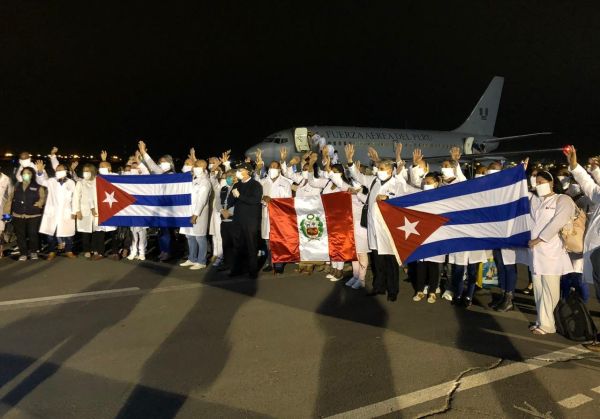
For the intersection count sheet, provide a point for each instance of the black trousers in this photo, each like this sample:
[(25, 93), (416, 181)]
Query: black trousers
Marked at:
[(26, 230), (428, 273), (386, 273), (245, 249), (227, 232), (95, 242)]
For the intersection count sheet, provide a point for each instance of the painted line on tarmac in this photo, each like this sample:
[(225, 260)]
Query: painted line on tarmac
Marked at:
[(527, 338), (405, 401), (575, 401), (67, 297)]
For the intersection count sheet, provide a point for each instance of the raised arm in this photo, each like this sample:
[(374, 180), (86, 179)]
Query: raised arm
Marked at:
[(590, 188), (152, 166), (53, 159), (41, 177)]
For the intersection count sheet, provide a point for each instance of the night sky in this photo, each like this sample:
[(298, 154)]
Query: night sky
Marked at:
[(220, 74)]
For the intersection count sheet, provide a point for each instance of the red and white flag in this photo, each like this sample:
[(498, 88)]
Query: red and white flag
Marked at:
[(312, 229)]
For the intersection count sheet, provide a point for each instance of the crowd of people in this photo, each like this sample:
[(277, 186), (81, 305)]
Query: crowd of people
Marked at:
[(230, 220)]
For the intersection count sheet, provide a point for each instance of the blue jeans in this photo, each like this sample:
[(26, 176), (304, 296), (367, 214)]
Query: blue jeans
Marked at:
[(507, 274), (458, 272), (53, 243), (164, 240), (198, 246)]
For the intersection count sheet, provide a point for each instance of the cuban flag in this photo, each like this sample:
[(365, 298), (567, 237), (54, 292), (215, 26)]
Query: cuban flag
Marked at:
[(145, 200), (313, 228), (486, 213)]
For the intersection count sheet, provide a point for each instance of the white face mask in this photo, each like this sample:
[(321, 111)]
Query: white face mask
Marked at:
[(87, 175), (210, 166), (305, 174), (61, 174), (492, 171), (273, 173), (238, 175), (478, 175), (25, 162), (448, 172), (533, 181), (103, 171), (186, 169), (165, 166), (543, 189), (335, 177), (428, 187), (383, 175), (198, 171)]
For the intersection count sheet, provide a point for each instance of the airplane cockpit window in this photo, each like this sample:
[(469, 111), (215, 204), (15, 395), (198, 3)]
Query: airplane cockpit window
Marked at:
[(268, 140), (278, 140), (284, 140)]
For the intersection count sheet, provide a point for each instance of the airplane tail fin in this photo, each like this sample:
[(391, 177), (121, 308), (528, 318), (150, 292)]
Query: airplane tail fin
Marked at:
[(483, 116)]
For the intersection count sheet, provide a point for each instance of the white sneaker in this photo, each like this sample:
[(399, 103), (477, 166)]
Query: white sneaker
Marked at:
[(329, 276), (438, 290), (22, 258), (187, 263), (425, 289), (419, 296), (358, 284), (197, 266), (131, 256), (448, 295), (334, 279), (351, 282), (33, 256), (141, 257)]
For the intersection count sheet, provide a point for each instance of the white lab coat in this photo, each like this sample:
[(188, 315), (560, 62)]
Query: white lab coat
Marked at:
[(57, 218), (548, 216), (85, 199), (5, 192), (304, 186), (592, 235), (279, 188), (201, 194)]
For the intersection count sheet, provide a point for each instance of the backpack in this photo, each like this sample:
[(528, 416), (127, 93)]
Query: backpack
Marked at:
[(573, 320), (573, 233)]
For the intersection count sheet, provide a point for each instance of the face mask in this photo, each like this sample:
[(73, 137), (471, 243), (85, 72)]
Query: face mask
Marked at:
[(273, 173), (61, 174), (305, 174), (383, 175), (87, 175), (26, 177), (210, 166), (165, 166), (374, 170), (543, 189), (574, 189), (104, 171), (478, 175), (492, 171), (448, 172), (198, 171), (533, 181), (126, 172), (25, 162), (238, 175), (229, 181), (565, 184), (428, 187), (186, 169), (335, 177)]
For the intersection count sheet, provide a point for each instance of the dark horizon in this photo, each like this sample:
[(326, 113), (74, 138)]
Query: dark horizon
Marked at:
[(87, 77)]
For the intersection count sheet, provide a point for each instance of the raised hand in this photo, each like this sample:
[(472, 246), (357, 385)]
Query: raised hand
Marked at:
[(525, 162), (54, 151), (398, 150), (294, 160), (103, 155), (417, 156), (594, 162), (349, 149), (283, 151), (40, 166), (357, 164), (571, 154), (325, 151), (225, 156), (142, 147), (455, 154), (192, 155), (258, 156), (74, 165), (373, 155)]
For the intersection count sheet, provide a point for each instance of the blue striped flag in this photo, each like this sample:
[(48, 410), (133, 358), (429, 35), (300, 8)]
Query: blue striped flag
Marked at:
[(145, 200), (486, 213)]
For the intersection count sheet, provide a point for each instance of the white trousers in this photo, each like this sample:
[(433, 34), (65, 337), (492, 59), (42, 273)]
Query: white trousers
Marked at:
[(337, 265), (359, 267), (546, 292), (217, 240), (139, 241)]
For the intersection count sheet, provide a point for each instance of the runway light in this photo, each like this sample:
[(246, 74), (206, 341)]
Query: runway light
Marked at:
[(75, 156), (8, 154)]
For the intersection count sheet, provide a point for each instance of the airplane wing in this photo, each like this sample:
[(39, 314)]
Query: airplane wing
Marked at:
[(512, 137)]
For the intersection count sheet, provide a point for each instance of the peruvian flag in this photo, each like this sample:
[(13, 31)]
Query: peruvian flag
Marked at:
[(312, 229)]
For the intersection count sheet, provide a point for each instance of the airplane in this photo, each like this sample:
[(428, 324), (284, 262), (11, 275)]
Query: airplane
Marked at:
[(475, 136)]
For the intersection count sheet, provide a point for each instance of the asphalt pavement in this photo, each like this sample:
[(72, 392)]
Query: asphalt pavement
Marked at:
[(106, 339)]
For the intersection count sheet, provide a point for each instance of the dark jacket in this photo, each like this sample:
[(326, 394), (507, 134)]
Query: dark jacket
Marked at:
[(248, 207), (24, 199)]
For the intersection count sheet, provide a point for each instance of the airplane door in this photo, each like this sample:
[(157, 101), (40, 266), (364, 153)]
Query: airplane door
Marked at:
[(468, 145), (301, 140)]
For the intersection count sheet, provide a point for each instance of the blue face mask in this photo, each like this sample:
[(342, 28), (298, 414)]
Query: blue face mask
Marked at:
[(229, 181)]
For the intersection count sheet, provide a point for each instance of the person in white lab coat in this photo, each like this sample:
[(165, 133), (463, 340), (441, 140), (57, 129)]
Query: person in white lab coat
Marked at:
[(59, 215), (197, 234), (548, 259), (381, 187), (274, 186), (591, 245)]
